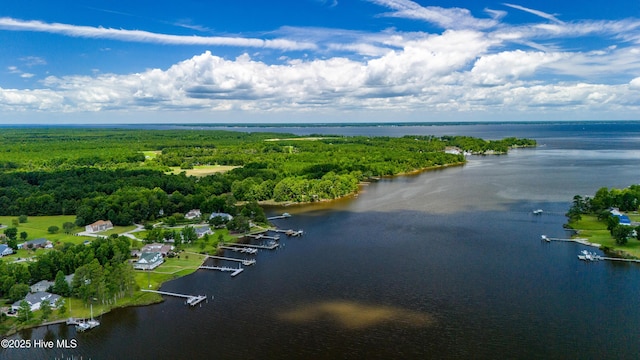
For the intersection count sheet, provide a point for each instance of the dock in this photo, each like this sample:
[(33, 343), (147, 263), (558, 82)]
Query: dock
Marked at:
[(242, 249), (271, 246), (244, 262), (582, 241), (289, 232), (234, 271), (283, 216), (192, 300), (263, 236)]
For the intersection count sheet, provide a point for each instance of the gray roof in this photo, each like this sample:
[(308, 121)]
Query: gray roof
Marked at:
[(39, 297), (3, 247)]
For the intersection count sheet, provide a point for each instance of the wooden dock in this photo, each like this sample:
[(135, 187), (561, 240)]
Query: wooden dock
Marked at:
[(289, 232), (192, 300), (263, 236), (242, 249), (582, 241), (234, 271), (243, 261), (283, 216), (271, 246)]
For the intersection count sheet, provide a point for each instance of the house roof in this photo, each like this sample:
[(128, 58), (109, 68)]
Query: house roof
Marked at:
[(155, 247), (149, 257), (40, 296), (38, 241), (222, 215), (202, 230)]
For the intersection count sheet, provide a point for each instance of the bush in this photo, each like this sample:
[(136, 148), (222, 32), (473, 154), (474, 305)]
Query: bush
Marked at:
[(53, 229)]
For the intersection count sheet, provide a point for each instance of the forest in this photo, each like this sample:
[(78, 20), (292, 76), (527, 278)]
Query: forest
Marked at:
[(130, 176)]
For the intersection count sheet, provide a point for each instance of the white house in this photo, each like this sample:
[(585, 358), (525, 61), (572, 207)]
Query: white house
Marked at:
[(203, 230), (225, 216), (98, 226), (192, 214), (5, 250), (36, 299), (149, 261)]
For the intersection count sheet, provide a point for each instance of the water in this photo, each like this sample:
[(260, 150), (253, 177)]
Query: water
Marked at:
[(445, 264)]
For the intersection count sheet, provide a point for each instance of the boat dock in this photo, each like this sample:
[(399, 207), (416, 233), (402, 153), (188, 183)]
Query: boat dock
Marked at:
[(283, 216), (234, 271), (582, 241), (243, 261), (289, 232), (271, 246), (263, 236), (192, 300), (242, 249)]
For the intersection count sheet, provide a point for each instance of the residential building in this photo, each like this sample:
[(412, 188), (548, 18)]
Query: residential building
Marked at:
[(155, 247), (5, 250), (100, 225), (149, 261), (192, 214), (203, 230), (36, 299)]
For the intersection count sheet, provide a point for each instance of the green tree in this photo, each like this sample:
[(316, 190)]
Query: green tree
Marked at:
[(11, 233), (45, 307), (22, 219), (18, 291), (60, 285), (23, 235), (60, 304), (621, 233), (68, 227), (24, 312), (53, 229)]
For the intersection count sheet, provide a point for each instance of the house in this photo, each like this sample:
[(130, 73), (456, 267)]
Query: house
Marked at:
[(35, 244), (155, 247), (203, 230), (41, 286), (5, 250), (623, 219), (36, 299), (98, 226), (149, 261), (225, 216), (192, 214)]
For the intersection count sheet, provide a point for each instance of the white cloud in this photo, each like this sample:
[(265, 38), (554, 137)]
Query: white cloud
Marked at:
[(544, 15), (448, 18), (149, 37)]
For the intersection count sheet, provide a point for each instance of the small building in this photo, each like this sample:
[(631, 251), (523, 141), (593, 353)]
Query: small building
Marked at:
[(35, 300), (155, 247), (41, 286), (35, 244), (192, 214), (623, 219), (203, 230), (225, 216), (100, 225), (5, 250), (149, 261)]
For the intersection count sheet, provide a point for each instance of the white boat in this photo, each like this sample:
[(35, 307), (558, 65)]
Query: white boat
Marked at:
[(85, 325), (537, 212)]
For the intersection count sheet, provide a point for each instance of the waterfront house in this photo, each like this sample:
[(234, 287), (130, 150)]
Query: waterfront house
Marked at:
[(225, 216), (100, 225), (5, 250), (192, 214), (35, 300), (156, 247), (148, 261), (203, 230), (623, 219)]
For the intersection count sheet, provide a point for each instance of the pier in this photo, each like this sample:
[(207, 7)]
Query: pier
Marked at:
[(289, 232), (582, 241), (192, 300), (234, 271), (283, 216), (243, 261), (262, 236), (271, 246), (246, 250)]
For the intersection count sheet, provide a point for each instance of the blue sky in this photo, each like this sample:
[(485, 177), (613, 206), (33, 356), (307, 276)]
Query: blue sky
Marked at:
[(318, 61)]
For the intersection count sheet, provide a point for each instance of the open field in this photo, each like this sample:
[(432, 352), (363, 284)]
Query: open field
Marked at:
[(36, 227), (596, 232), (203, 170)]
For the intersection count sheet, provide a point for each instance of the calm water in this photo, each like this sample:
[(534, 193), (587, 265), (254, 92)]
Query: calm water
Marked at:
[(445, 264)]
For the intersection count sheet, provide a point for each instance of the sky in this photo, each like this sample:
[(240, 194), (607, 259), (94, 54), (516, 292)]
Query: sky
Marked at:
[(209, 61)]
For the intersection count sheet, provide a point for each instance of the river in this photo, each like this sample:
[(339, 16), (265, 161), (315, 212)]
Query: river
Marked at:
[(447, 264)]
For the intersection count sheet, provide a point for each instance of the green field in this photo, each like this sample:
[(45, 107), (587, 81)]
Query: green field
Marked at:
[(36, 227), (596, 232)]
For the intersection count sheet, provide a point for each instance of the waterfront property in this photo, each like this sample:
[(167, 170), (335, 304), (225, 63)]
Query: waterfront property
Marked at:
[(202, 231), (100, 225), (149, 261), (5, 250), (192, 214), (35, 300), (163, 249), (623, 219), (44, 285)]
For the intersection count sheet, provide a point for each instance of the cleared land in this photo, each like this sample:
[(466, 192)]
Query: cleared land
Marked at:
[(203, 170)]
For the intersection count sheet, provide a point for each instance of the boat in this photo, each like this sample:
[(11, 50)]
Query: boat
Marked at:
[(85, 325), (537, 212), (588, 256), (545, 238)]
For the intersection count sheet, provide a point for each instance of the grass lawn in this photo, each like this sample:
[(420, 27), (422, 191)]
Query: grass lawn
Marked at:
[(203, 170), (596, 232)]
